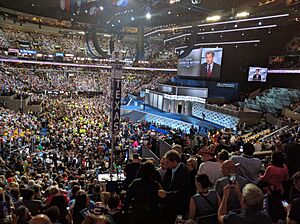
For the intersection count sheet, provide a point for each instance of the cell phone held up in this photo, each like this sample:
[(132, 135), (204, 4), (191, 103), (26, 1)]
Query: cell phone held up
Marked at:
[(232, 179)]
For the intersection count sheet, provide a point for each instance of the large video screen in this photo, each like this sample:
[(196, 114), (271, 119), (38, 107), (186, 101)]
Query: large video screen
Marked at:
[(190, 65), (257, 74), (211, 61), (201, 63)]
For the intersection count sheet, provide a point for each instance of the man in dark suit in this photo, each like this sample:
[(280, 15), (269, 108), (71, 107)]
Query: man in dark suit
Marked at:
[(131, 169), (210, 68), (176, 188), (256, 76)]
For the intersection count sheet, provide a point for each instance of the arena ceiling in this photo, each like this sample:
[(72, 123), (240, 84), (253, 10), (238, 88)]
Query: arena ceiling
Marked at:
[(179, 12)]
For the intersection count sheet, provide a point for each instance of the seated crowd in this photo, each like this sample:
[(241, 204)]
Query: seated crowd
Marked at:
[(52, 163), (75, 44), (38, 79)]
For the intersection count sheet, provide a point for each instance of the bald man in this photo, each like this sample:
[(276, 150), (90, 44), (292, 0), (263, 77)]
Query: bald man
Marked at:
[(40, 219), (229, 170)]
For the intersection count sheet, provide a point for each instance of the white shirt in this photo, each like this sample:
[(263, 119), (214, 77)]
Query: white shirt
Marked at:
[(210, 66), (212, 170)]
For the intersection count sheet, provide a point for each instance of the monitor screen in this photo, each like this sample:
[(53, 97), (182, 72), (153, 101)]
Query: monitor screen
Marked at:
[(257, 74), (190, 65), (211, 61)]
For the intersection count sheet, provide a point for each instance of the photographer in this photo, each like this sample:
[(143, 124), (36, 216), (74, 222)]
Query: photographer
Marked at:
[(251, 200), (229, 170)]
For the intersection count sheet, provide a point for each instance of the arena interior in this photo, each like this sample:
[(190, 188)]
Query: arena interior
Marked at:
[(150, 112)]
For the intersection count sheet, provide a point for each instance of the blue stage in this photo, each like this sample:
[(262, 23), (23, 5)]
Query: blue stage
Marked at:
[(137, 111)]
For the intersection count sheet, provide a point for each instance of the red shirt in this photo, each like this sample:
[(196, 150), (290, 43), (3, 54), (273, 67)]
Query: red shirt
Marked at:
[(274, 176)]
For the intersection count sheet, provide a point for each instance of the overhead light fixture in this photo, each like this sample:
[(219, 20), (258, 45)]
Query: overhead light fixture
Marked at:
[(176, 37), (222, 31), (148, 15), (239, 29), (101, 8), (222, 43), (132, 18), (230, 42), (167, 29), (242, 14), (213, 18), (245, 20), (219, 23)]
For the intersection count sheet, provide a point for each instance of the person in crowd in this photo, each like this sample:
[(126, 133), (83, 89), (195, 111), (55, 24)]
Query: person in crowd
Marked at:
[(178, 148), (34, 206), (295, 189), (271, 181), (293, 216), (204, 205), (53, 214), (81, 203), (229, 170), (96, 219), (251, 200), (210, 166), (114, 211), (293, 156), (22, 215), (192, 167), (163, 167), (61, 203), (143, 194), (176, 188), (249, 166), (105, 196), (40, 219), (131, 169), (275, 173), (222, 156)]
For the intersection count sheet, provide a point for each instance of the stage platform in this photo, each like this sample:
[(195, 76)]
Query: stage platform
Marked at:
[(176, 121)]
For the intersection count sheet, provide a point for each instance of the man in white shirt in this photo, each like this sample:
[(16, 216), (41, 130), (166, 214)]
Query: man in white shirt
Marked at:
[(210, 166)]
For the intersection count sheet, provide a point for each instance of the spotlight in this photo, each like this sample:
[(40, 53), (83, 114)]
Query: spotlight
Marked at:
[(132, 18), (213, 18), (242, 14), (101, 8), (148, 15)]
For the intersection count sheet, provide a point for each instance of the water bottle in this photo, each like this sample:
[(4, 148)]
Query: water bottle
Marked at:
[(119, 171)]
